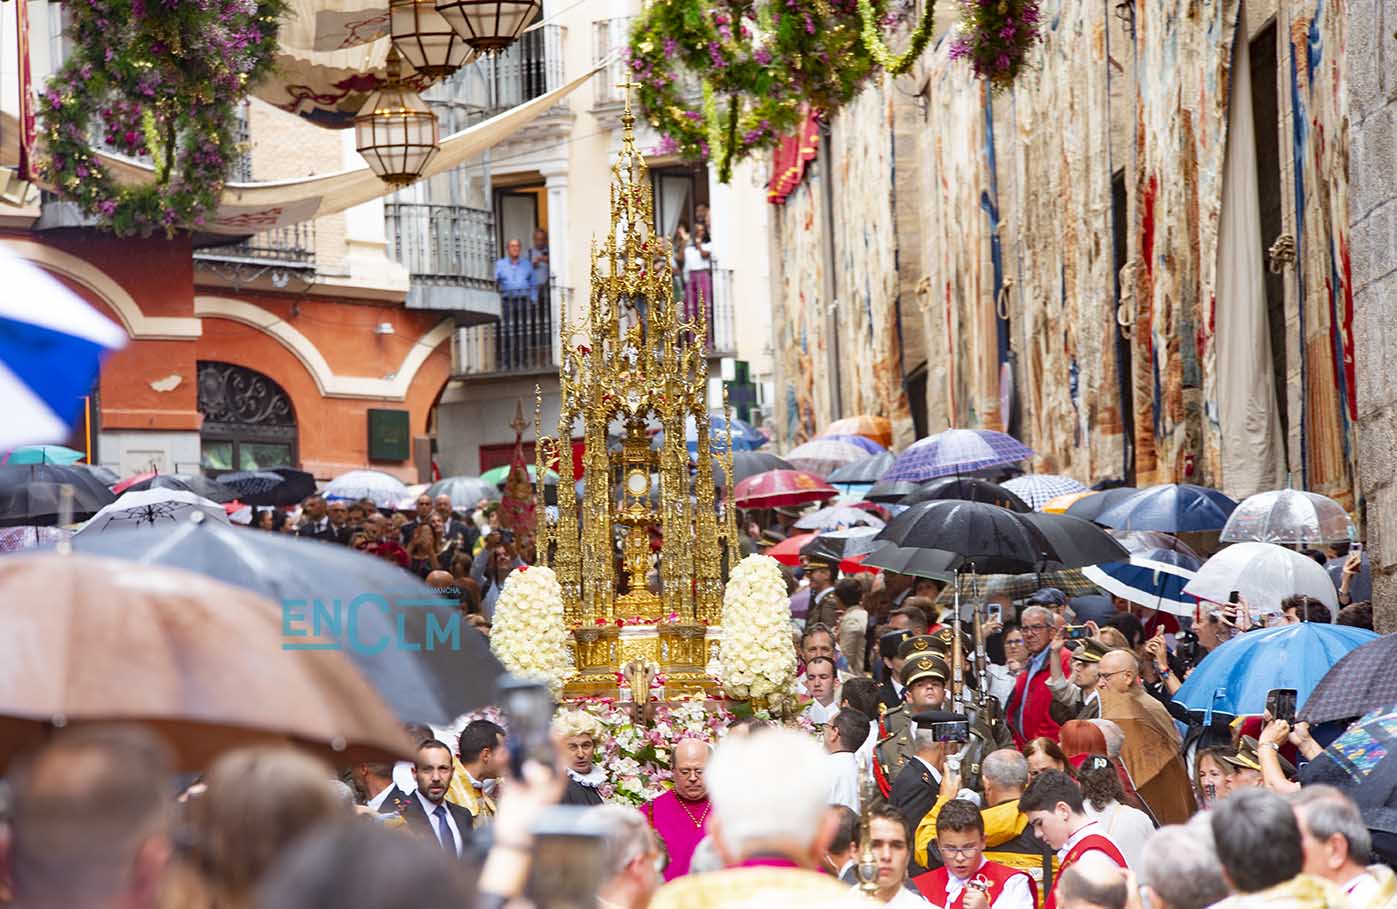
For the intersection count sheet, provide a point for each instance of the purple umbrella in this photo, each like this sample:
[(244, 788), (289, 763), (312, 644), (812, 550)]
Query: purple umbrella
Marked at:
[(956, 452)]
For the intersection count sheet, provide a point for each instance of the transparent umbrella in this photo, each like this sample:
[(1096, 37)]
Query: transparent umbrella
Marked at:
[(1288, 516), (1265, 574)]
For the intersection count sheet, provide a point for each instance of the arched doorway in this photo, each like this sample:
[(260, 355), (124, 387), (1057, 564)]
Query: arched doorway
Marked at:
[(249, 421)]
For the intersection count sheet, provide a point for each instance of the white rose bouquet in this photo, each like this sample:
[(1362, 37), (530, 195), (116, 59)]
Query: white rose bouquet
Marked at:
[(528, 634), (758, 660)]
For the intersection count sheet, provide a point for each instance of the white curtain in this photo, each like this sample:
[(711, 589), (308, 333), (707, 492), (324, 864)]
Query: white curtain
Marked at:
[(1252, 454), (674, 192)]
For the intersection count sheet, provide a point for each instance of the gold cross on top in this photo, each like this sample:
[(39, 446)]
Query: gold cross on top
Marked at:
[(626, 87)]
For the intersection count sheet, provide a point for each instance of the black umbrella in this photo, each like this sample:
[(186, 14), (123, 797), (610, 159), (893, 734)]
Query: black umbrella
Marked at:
[(922, 563), (966, 489), (748, 464), (1088, 508), (105, 475), (296, 486), (985, 538), (1364, 679), (200, 485), (382, 616), (891, 492), (31, 495), (867, 470), (250, 484), (1074, 542)]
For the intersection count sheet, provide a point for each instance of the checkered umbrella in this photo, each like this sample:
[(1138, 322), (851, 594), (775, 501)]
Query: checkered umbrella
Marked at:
[(824, 456), (1017, 586), (957, 452), (1362, 681), (1038, 489)]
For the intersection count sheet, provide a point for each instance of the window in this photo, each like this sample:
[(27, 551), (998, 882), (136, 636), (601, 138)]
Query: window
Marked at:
[(249, 423)]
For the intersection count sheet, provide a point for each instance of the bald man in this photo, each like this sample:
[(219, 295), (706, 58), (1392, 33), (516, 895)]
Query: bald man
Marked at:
[(680, 816), (1152, 742), (1093, 882)]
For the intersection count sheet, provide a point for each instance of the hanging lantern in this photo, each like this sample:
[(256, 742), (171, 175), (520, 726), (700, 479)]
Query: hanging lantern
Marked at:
[(396, 131), (489, 25), (425, 39)]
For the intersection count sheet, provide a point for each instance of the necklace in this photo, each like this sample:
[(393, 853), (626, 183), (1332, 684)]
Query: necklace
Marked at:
[(698, 821)]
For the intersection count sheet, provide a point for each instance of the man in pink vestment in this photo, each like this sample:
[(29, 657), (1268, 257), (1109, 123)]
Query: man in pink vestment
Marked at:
[(680, 816)]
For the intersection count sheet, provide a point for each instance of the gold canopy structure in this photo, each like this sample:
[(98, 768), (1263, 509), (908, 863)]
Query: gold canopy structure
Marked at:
[(633, 372)]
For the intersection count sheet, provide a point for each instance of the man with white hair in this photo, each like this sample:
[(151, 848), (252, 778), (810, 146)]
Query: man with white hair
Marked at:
[(628, 862), (1337, 844), (1180, 868), (771, 825), (1029, 709), (580, 735)]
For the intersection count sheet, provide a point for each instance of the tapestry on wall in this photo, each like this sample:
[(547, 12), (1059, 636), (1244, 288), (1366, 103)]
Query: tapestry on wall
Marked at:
[(865, 248), (1183, 51), (959, 303), (1063, 302), (1319, 99), (798, 319)]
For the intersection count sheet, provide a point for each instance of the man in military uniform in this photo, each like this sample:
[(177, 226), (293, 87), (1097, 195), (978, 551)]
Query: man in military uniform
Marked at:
[(890, 691), (824, 605), (1075, 697), (924, 676)]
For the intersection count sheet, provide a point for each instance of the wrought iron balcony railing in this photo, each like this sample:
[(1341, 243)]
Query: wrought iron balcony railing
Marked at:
[(449, 252), (292, 246), (529, 68), (521, 341)]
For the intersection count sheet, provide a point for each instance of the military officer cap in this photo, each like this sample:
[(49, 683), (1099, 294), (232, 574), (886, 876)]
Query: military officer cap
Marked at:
[(921, 643), (1091, 651), (944, 636), (925, 666), (1247, 756), (890, 643), (770, 538), (811, 561)]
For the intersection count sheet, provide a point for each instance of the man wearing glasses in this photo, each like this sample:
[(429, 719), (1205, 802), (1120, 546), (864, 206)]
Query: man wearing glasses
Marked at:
[(967, 880), (1029, 712)]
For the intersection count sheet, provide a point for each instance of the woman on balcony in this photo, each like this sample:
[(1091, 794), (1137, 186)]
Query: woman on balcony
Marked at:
[(698, 278)]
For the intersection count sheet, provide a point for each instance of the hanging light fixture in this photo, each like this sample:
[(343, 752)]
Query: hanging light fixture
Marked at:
[(426, 40), (396, 131), (489, 25)]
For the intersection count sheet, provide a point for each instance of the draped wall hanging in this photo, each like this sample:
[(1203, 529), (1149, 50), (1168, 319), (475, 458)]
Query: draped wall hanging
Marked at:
[(1183, 51)]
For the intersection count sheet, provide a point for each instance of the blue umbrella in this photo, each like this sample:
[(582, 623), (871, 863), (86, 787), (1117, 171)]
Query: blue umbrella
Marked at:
[(1235, 678), (744, 436), (51, 347), (42, 454), (956, 452), (1153, 578), (1171, 507)]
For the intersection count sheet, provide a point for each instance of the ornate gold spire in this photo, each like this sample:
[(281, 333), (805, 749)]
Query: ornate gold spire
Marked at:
[(633, 372)]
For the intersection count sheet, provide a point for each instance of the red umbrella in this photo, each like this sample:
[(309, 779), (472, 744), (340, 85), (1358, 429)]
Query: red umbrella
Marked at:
[(780, 488), (119, 488), (787, 552), (855, 565)]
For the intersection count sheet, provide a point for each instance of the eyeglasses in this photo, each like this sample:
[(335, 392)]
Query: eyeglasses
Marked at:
[(959, 851), (1107, 675), (1032, 629)]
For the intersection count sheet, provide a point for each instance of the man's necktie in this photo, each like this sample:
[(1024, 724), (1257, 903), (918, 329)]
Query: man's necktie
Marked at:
[(448, 841)]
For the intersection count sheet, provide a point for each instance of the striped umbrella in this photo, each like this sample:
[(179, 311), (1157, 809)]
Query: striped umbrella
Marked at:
[(51, 347), (1038, 489), (956, 452), (1154, 578), (879, 429), (823, 456)]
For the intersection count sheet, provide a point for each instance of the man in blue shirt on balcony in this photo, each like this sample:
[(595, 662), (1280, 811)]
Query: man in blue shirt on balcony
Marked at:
[(514, 276)]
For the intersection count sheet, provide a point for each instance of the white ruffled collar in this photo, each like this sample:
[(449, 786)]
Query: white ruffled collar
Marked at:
[(593, 779)]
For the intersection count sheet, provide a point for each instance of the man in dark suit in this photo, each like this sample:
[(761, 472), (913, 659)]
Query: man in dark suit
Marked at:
[(424, 515), (452, 528), (918, 784), (427, 812), (890, 692)]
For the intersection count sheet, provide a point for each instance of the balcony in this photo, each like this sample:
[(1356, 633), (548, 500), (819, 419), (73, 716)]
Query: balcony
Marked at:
[(448, 250), (278, 255), (610, 38), (519, 343), (529, 68)]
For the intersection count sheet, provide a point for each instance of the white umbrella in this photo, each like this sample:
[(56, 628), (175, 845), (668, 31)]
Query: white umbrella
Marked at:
[(150, 508), (384, 489), (824, 456), (1265, 574), (1288, 516), (839, 517)]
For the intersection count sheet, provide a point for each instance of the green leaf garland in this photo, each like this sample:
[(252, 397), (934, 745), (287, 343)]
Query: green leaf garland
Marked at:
[(896, 65)]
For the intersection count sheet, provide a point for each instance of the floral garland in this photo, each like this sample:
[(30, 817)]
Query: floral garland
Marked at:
[(638, 760), (723, 79), (995, 36), (896, 65), (156, 78), (758, 659), (528, 634)]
